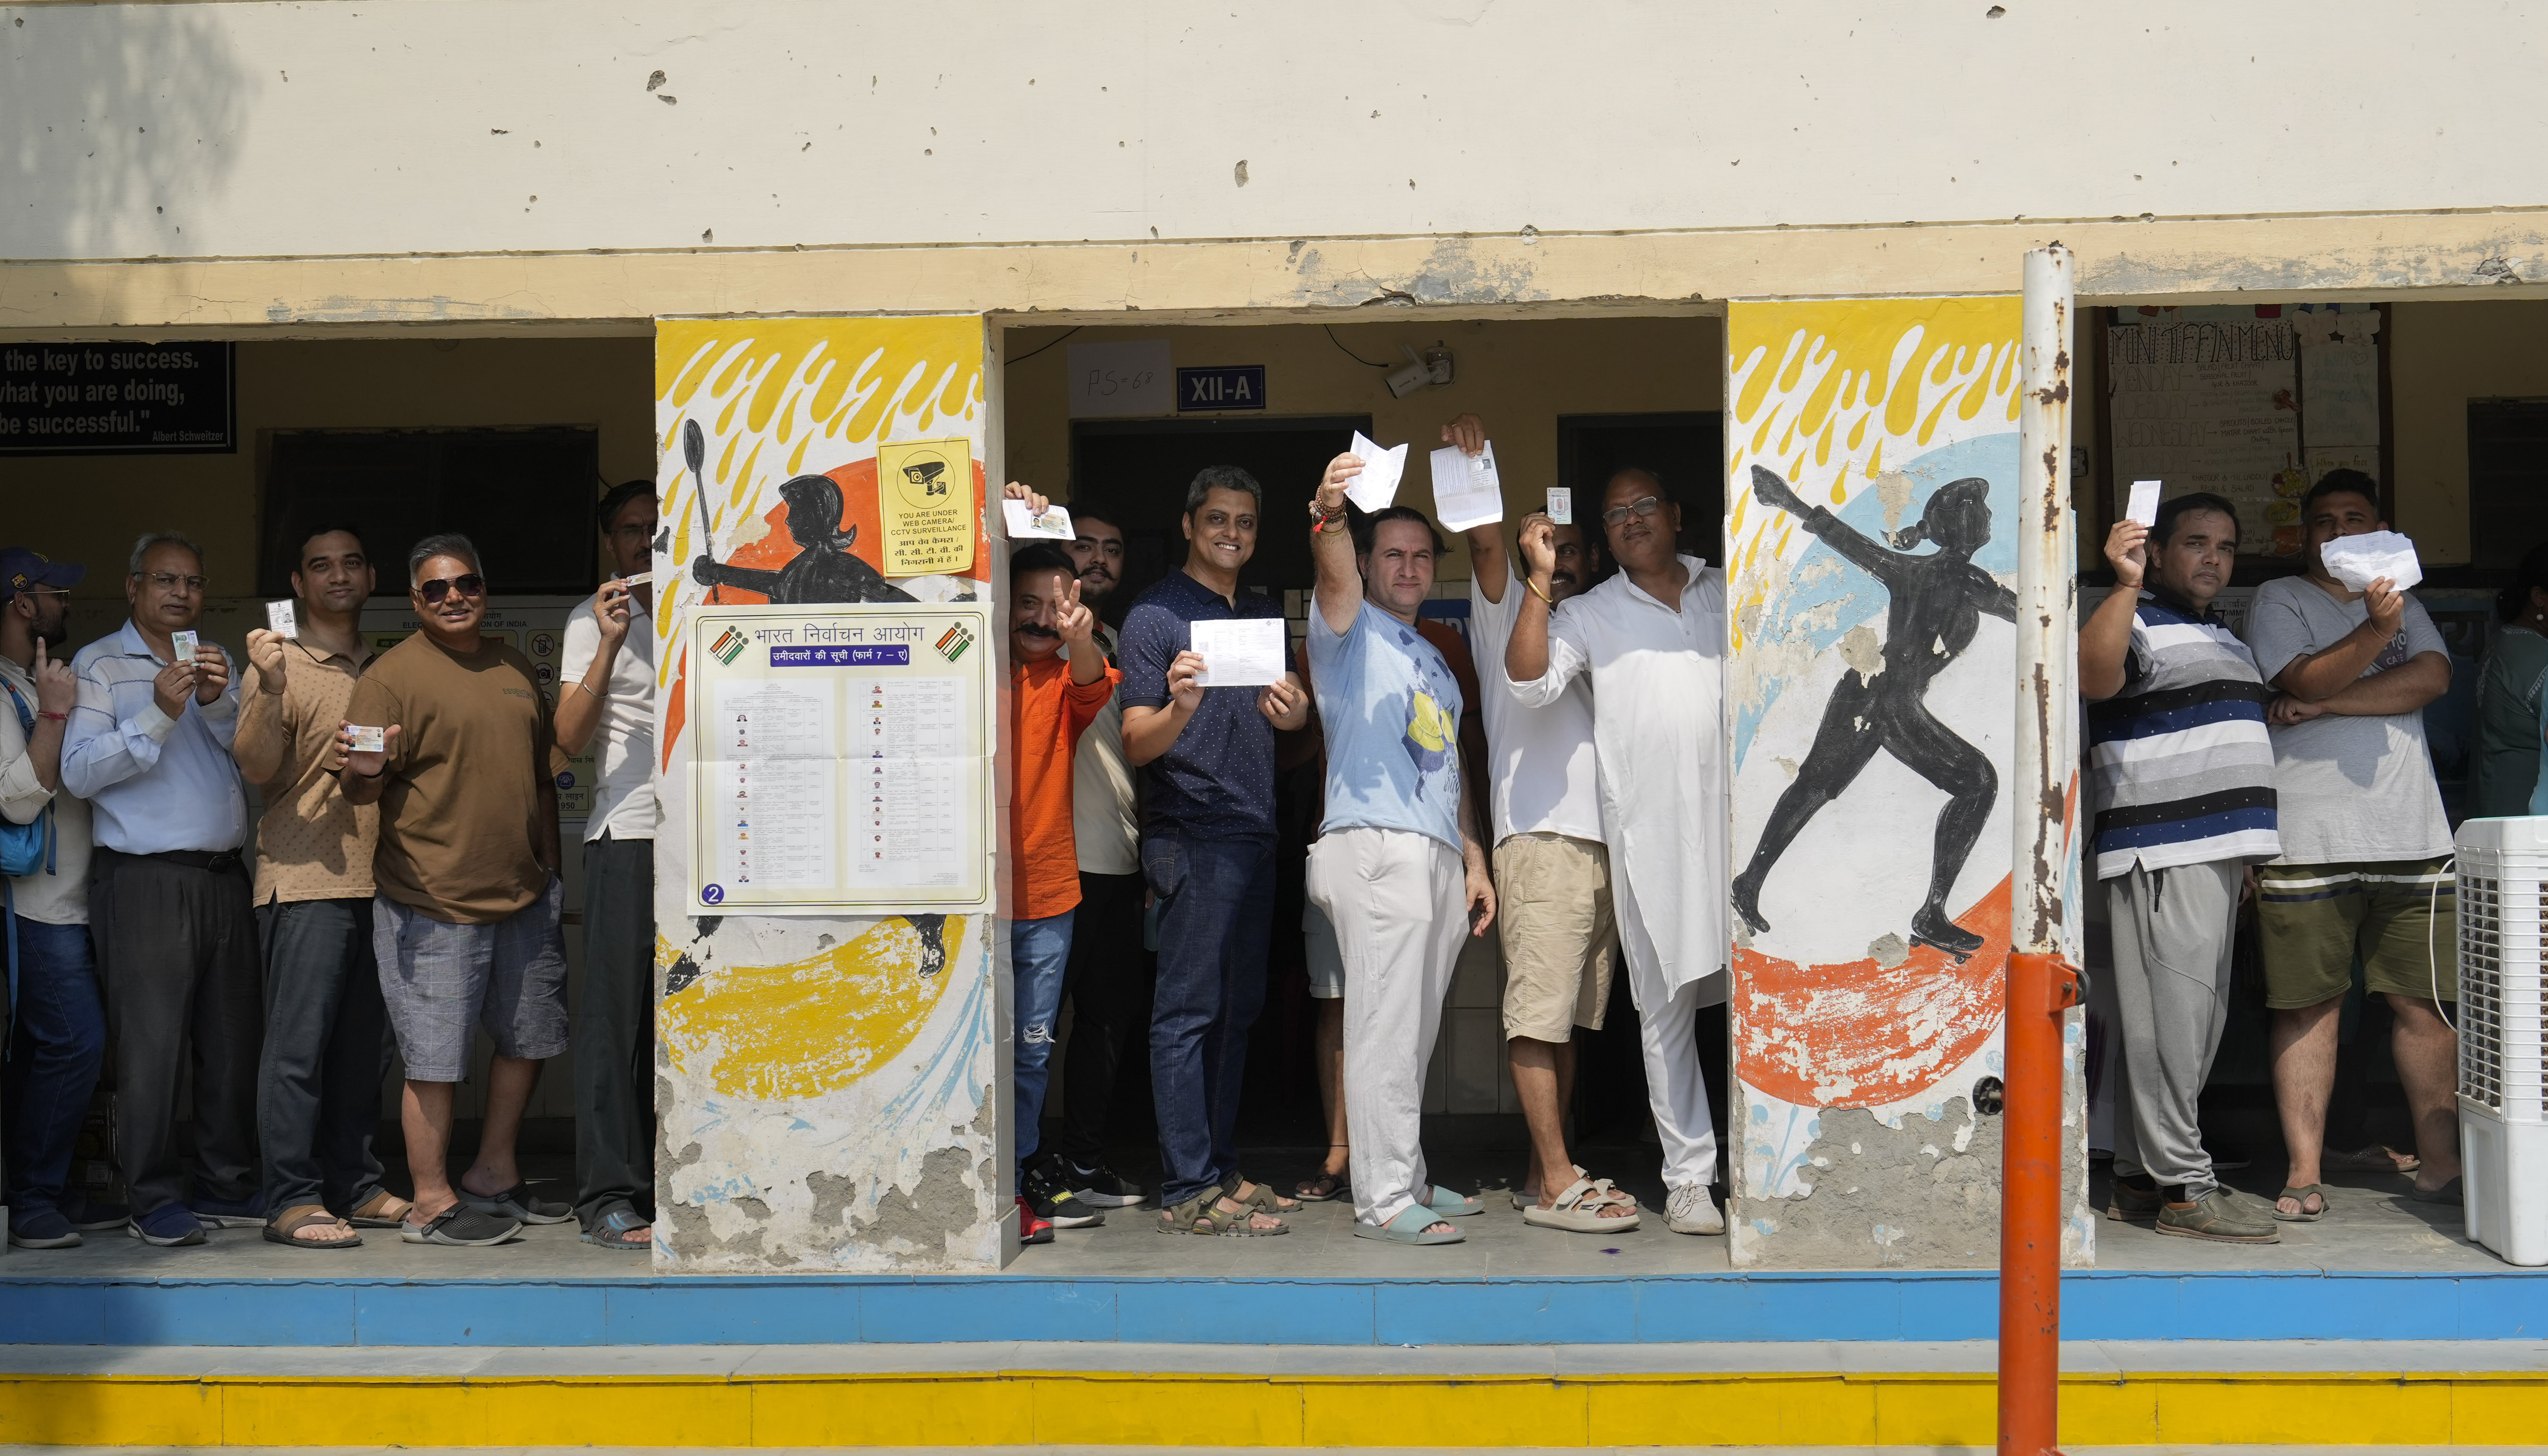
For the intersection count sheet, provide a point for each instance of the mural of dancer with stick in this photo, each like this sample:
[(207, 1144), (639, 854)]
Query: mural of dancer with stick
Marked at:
[(1938, 601)]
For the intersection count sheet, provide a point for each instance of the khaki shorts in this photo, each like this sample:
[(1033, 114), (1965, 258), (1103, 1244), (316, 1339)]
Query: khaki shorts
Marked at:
[(1553, 902), (2400, 917)]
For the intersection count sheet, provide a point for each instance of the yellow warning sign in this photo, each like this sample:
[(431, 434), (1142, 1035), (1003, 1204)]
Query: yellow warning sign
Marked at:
[(925, 492)]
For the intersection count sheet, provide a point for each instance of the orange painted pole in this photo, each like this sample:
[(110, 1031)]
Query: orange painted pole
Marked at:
[(2039, 986)]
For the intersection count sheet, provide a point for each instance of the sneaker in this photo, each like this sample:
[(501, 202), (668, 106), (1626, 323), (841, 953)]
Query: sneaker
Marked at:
[(2219, 1218), (1031, 1228), (248, 1213), (43, 1228), (1055, 1203), (1692, 1211), (2129, 1203), (1099, 1187), (169, 1226), (92, 1216)]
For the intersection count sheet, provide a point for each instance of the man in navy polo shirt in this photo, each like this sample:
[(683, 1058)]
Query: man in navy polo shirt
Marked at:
[(1206, 758)]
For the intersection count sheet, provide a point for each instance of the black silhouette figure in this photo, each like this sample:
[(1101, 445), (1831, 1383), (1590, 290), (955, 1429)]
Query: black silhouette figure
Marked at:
[(823, 570), (1937, 602)]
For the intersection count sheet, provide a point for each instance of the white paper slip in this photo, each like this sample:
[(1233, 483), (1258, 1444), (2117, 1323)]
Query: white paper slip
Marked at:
[(1467, 492), (281, 620), (2144, 507), (369, 740), (1026, 525), (1560, 506), (1241, 653), (181, 646), (2358, 561), (637, 581), (1377, 486)]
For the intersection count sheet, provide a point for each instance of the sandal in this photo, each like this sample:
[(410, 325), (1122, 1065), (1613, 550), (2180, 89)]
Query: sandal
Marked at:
[(462, 1227), (1450, 1202), (1414, 1225), (2448, 1193), (1322, 1188), (1187, 1217), (1237, 1223), (1264, 1200), (1579, 1209), (516, 1202), (2302, 1195), (285, 1228), (615, 1225), (1523, 1198), (383, 1210), (2379, 1157)]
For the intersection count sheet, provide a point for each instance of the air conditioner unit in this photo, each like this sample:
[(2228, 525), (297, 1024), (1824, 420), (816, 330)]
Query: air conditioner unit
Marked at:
[(2503, 1034)]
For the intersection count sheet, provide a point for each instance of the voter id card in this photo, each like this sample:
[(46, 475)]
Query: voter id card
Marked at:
[(1560, 506), (181, 646), (368, 740), (281, 619)]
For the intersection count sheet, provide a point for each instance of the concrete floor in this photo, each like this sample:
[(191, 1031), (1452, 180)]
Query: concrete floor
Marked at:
[(2372, 1226)]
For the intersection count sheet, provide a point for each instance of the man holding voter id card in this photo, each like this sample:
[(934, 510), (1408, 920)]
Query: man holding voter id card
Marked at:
[(2366, 846), (1204, 691)]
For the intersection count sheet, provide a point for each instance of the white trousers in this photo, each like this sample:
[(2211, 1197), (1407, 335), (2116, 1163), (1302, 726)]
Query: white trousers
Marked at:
[(1399, 903), (1667, 1021)]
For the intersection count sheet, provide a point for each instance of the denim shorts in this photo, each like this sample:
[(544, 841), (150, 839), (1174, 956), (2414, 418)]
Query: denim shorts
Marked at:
[(439, 979)]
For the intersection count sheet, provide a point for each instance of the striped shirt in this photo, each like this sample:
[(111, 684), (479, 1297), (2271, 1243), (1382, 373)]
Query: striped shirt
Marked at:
[(2181, 768)]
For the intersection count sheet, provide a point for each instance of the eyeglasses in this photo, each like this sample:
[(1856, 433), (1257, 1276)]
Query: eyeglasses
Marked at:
[(634, 531), (1643, 506), (172, 582), (471, 585)]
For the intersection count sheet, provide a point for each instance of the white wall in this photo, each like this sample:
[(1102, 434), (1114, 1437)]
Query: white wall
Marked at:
[(430, 126)]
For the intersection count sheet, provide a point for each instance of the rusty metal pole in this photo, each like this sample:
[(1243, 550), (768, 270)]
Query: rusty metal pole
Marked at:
[(2039, 986)]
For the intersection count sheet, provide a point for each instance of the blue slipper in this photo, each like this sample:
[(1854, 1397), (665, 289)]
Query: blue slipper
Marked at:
[(616, 1222), (1451, 1203), (1412, 1226)]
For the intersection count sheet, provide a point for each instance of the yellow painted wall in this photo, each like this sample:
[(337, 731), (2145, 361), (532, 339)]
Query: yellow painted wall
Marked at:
[(2441, 356), (89, 509), (1518, 375)]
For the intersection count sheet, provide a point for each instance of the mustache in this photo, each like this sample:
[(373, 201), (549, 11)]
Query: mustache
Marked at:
[(1562, 575), (1029, 630), (1097, 569)]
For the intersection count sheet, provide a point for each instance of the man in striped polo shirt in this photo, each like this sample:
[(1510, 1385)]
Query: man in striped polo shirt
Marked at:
[(2183, 789)]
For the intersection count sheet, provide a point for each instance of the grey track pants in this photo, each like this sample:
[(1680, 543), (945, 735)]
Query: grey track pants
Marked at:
[(2172, 935)]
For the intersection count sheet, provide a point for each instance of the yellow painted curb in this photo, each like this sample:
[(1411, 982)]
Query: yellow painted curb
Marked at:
[(1084, 1407)]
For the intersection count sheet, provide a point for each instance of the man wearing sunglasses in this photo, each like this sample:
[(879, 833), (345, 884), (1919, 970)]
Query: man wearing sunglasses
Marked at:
[(466, 910), (1652, 640), (149, 747)]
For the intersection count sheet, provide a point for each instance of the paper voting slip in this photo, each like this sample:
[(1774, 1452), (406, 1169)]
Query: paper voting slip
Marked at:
[(1241, 653), (1560, 506), (1026, 525), (1467, 493), (280, 620), (2144, 507), (2358, 561), (1377, 486)]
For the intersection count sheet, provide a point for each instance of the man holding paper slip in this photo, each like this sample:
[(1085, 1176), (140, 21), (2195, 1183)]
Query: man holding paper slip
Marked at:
[(1397, 867), (1207, 751)]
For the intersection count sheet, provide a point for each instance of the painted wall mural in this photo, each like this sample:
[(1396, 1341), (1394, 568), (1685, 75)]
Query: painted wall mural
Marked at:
[(827, 1088), (1872, 459)]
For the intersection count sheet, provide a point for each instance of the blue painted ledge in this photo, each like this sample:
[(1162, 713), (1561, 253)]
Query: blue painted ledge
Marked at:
[(1663, 1308)]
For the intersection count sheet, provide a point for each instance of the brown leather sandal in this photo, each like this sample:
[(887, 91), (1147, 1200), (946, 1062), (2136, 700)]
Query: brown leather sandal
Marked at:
[(383, 1210), (285, 1227)]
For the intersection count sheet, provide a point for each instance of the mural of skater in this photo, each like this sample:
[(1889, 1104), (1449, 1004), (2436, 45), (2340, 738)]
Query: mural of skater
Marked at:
[(1937, 600), (823, 569)]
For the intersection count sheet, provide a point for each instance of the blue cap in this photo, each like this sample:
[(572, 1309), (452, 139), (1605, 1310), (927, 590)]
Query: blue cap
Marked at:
[(21, 569)]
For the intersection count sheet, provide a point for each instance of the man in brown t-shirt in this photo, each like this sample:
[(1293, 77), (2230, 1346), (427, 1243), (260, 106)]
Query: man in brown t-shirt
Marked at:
[(318, 1078), (465, 915)]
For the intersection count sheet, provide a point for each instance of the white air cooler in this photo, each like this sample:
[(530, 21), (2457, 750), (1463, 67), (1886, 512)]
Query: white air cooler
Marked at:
[(2503, 1034)]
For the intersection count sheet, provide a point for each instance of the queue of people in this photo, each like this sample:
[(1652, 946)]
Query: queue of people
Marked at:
[(402, 891)]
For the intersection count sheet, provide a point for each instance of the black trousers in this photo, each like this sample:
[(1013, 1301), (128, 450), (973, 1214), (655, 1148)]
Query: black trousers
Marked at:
[(614, 1033), (177, 954), (1109, 982), (326, 1040)]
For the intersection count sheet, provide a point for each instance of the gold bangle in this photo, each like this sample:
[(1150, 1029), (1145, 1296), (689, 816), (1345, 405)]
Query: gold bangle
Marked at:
[(1542, 595)]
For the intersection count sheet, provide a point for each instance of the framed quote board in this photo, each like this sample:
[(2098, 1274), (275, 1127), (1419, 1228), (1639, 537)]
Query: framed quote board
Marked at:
[(844, 758)]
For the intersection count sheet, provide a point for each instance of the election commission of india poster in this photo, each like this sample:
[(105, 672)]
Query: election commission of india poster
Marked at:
[(829, 1032), (1871, 531)]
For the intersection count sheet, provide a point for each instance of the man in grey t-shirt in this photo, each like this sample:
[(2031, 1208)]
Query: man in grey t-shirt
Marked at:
[(2366, 846)]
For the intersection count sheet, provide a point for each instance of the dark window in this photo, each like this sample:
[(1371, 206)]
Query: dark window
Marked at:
[(2507, 481), (1686, 449), (524, 496)]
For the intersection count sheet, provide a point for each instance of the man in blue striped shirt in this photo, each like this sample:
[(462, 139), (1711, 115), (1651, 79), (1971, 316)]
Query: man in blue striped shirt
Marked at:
[(2182, 784)]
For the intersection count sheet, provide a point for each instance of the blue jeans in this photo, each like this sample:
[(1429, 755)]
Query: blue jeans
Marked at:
[(1039, 953), (53, 1056), (1216, 900)]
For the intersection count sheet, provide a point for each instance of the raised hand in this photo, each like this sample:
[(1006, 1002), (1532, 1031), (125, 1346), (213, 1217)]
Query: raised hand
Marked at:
[(1469, 433), (2127, 552), (1036, 503), (2387, 605), (266, 654), (1076, 623), (211, 672), (1184, 680), (173, 685), (56, 686), (1285, 703), (1538, 546), (609, 611), (1341, 472), (369, 763)]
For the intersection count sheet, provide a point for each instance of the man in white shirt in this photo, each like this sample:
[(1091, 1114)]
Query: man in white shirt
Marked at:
[(1552, 869), (610, 689), (1652, 640)]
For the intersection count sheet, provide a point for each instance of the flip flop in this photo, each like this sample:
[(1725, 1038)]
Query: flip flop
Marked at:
[(462, 1227), (1334, 1186), (374, 1211), (516, 1202), (614, 1224), (2300, 1196), (284, 1225), (1579, 1209), (1409, 1227)]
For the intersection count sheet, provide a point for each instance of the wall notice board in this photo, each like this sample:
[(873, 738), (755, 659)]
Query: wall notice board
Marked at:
[(844, 758)]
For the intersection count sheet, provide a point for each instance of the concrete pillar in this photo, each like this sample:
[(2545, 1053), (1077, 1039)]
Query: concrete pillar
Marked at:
[(1872, 526)]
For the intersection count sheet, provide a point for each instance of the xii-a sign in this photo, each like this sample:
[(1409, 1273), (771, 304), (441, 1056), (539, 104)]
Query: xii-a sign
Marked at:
[(1221, 387)]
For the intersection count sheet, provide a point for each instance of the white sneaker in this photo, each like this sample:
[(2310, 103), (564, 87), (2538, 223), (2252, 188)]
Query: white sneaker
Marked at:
[(1692, 1211)]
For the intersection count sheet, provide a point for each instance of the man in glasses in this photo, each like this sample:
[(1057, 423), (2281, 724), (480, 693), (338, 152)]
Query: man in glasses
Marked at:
[(1652, 640), (610, 693), (466, 907), (149, 749)]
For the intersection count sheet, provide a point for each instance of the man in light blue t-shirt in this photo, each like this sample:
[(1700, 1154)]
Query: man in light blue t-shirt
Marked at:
[(1397, 867)]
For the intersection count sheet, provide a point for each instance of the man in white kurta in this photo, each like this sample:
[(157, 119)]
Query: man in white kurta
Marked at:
[(1652, 639)]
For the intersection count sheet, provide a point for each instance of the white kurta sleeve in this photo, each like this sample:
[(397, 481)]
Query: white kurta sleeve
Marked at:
[(1567, 660)]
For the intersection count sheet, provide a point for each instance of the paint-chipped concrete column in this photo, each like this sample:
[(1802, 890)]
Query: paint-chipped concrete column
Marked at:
[(829, 1090), (1870, 499)]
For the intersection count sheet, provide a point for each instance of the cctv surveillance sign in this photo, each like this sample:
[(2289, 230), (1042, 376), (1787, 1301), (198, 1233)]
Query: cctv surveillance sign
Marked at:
[(1221, 387)]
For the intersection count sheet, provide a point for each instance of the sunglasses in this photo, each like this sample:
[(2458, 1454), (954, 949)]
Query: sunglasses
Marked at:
[(471, 585), (1642, 505)]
